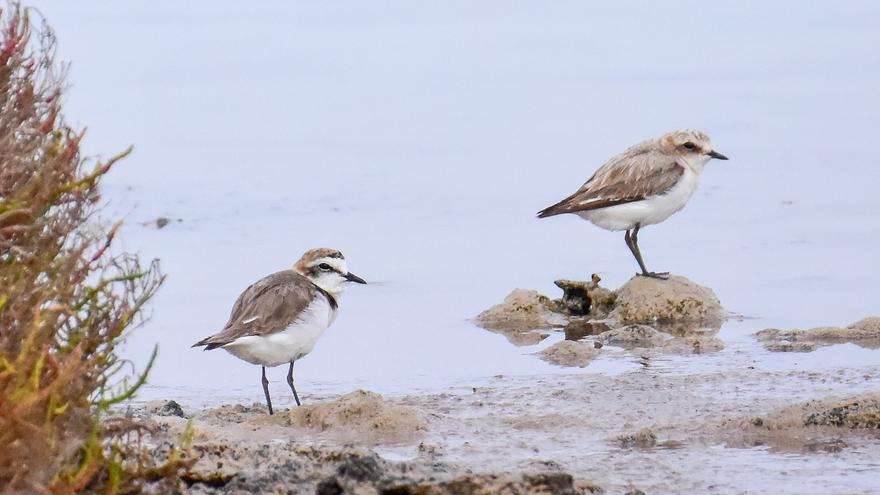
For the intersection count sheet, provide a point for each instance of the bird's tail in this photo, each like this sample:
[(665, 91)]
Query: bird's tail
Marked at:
[(207, 343), (549, 211)]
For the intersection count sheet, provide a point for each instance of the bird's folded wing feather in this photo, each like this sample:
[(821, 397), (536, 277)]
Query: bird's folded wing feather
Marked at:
[(268, 306), (624, 179)]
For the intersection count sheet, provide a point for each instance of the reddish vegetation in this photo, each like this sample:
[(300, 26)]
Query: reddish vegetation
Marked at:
[(66, 299)]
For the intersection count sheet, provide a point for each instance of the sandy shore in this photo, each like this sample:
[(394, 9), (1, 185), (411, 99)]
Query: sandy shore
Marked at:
[(749, 431)]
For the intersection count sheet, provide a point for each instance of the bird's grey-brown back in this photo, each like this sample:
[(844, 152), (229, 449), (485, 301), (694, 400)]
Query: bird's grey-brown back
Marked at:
[(267, 306), (276, 302), (649, 168)]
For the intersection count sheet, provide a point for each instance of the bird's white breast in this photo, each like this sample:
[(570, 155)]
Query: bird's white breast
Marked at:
[(653, 209), (290, 344)]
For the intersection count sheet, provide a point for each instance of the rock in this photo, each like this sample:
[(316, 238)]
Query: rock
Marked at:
[(569, 353), (632, 336), (858, 413), (643, 439), (584, 298), (864, 333), (522, 310), (166, 408), (361, 416), (648, 300), (162, 222)]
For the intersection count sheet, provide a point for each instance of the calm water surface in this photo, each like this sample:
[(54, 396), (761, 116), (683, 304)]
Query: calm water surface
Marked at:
[(421, 139)]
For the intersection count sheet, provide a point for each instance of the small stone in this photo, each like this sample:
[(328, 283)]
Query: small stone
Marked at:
[(644, 439)]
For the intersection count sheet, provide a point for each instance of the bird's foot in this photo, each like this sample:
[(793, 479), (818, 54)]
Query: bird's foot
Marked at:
[(657, 275)]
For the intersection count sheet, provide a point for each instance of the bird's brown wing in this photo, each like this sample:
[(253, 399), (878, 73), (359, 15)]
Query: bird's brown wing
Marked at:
[(624, 179), (268, 306)]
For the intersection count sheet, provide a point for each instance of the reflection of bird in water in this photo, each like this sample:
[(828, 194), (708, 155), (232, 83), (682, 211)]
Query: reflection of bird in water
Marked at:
[(642, 186), (279, 319)]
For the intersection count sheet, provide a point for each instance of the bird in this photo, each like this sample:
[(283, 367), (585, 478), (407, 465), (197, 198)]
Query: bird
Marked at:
[(642, 186), (278, 319)]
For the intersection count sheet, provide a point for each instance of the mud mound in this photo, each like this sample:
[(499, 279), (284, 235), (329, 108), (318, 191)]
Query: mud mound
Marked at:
[(864, 333), (556, 483), (522, 310), (233, 413), (648, 300), (569, 353), (361, 416)]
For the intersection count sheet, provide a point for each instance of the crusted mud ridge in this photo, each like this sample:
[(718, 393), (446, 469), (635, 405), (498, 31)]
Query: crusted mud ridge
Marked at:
[(674, 316), (863, 333), (823, 425)]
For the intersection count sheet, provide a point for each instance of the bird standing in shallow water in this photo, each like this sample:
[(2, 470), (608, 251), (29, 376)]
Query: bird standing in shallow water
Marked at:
[(642, 186), (279, 319)]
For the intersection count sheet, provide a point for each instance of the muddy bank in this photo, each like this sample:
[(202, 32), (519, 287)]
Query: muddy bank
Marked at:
[(324, 448), (863, 333), (724, 432)]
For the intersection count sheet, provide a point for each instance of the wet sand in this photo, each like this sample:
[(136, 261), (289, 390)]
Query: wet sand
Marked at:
[(747, 431)]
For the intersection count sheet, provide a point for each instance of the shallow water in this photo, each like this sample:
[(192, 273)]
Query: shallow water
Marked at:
[(421, 139)]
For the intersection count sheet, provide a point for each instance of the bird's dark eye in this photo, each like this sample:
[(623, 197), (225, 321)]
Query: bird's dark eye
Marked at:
[(689, 145), (324, 266)]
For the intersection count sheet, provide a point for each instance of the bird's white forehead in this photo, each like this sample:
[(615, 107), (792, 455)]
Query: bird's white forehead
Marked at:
[(337, 263)]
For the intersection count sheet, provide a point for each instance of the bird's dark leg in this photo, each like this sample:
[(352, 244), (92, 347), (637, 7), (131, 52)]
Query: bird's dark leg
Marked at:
[(290, 382), (633, 248), (632, 240), (266, 390)]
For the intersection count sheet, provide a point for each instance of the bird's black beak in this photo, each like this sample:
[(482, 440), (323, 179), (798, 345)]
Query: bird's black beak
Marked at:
[(715, 154), (351, 277)]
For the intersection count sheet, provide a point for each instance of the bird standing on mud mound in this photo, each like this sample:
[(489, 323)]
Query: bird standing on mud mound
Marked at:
[(279, 319), (642, 186)]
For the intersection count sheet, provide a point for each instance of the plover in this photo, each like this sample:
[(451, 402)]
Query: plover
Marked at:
[(642, 186), (278, 319)]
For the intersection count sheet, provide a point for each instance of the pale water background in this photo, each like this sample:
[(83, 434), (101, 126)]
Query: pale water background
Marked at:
[(421, 139)]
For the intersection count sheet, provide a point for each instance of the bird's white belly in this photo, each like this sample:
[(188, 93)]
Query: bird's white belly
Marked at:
[(291, 344), (649, 211)]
